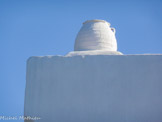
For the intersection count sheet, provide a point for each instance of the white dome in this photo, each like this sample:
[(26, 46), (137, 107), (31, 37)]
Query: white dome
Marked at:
[(96, 35)]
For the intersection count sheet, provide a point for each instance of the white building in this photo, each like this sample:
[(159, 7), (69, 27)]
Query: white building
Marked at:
[(95, 82)]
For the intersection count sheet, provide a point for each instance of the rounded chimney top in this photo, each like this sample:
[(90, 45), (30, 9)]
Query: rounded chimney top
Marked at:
[(96, 35)]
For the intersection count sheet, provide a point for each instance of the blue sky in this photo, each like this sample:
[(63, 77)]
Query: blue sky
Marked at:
[(49, 27)]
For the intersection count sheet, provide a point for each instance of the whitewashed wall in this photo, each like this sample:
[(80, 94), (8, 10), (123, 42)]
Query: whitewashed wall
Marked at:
[(115, 88)]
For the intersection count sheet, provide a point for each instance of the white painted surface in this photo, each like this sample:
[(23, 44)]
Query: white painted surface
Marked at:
[(96, 35), (117, 88), (93, 52)]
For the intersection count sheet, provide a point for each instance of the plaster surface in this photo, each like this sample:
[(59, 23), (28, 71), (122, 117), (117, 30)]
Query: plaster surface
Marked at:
[(94, 88), (96, 35), (93, 52)]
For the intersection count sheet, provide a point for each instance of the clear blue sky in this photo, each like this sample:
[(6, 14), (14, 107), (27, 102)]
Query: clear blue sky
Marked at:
[(49, 27)]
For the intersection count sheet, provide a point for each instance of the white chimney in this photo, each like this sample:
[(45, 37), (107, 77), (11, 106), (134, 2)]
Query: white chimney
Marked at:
[(94, 83), (96, 35)]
